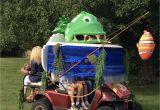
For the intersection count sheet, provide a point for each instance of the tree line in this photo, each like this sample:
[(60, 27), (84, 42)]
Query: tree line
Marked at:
[(26, 23)]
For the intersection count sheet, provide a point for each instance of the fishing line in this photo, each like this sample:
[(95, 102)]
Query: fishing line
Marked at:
[(129, 25)]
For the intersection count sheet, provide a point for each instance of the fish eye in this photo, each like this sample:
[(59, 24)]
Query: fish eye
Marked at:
[(86, 19)]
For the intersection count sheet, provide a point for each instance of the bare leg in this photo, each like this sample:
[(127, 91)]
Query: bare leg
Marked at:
[(80, 92), (81, 86), (72, 89), (25, 90), (26, 82), (30, 97)]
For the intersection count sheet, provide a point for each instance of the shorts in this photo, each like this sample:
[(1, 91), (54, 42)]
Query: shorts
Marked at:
[(27, 81)]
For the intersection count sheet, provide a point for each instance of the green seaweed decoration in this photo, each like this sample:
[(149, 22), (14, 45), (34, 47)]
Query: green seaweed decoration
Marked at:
[(99, 68), (43, 80), (58, 59), (20, 105), (61, 25)]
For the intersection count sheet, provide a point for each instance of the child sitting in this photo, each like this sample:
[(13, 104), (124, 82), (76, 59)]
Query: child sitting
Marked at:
[(77, 87), (26, 69), (81, 85)]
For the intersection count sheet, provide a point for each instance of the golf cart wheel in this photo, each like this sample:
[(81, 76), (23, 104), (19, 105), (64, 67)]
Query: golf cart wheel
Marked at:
[(104, 108), (42, 104), (135, 106)]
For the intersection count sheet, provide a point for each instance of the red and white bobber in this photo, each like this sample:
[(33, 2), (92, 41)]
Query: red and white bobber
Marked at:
[(146, 45)]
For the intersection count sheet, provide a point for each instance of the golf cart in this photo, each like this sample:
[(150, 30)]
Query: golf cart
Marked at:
[(113, 93)]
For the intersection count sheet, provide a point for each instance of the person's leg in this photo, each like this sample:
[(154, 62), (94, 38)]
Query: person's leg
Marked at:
[(71, 92), (25, 90), (86, 92), (79, 92), (26, 83), (30, 97), (71, 89), (81, 86)]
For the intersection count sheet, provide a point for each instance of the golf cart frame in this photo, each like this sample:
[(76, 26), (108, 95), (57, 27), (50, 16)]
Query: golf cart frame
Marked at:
[(110, 96)]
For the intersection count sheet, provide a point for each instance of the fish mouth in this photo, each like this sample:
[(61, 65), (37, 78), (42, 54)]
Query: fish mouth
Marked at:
[(89, 38)]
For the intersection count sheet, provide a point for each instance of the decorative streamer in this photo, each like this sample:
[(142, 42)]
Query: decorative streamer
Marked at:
[(99, 68), (58, 59), (43, 80), (20, 105)]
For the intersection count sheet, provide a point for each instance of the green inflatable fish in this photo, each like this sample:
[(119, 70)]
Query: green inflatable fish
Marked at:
[(84, 28)]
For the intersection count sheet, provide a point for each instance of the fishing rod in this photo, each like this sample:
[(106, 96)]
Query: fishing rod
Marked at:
[(126, 27)]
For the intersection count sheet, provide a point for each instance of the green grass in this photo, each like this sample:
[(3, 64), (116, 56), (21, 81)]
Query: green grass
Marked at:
[(11, 82), (147, 96)]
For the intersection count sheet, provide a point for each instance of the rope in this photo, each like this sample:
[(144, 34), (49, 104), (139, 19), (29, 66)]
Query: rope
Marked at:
[(113, 33), (85, 94), (120, 28), (129, 25), (76, 96)]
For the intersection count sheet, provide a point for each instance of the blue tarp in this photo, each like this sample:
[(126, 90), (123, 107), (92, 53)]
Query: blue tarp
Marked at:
[(73, 54)]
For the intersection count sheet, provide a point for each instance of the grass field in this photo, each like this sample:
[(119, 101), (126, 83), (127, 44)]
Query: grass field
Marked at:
[(11, 82)]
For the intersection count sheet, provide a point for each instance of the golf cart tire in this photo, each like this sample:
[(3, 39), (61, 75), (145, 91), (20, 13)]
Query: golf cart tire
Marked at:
[(41, 104), (135, 106), (104, 108)]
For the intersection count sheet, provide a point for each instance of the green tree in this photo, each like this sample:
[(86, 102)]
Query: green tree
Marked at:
[(8, 39), (115, 14), (29, 23), (26, 23)]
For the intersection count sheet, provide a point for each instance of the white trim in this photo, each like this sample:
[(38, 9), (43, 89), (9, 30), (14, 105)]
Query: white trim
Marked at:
[(146, 42), (85, 45), (44, 57), (54, 43), (145, 52)]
